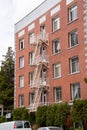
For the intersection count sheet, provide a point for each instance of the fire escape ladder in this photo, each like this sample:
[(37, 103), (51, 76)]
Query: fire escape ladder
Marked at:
[(37, 72), (38, 92), (37, 51), (40, 60)]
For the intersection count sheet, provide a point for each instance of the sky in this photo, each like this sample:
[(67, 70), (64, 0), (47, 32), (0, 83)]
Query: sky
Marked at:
[(11, 11)]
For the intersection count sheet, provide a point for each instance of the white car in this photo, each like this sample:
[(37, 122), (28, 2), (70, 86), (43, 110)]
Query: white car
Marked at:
[(50, 128), (15, 125)]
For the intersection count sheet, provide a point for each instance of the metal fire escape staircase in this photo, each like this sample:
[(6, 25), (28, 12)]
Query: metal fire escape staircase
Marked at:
[(38, 63)]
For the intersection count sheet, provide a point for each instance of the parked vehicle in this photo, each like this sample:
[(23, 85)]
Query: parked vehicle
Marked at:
[(15, 125), (50, 128)]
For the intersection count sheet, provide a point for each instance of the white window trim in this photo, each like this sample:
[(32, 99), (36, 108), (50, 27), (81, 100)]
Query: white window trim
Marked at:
[(21, 81), (75, 90), (31, 38), (76, 15), (60, 94), (57, 46), (70, 40), (59, 70), (31, 78), (57, 19), (22, 40), (21, 60), (77, 70), (21, 103), (31, 58)]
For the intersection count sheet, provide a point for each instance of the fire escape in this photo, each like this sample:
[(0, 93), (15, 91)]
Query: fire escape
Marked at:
[(40, 64)]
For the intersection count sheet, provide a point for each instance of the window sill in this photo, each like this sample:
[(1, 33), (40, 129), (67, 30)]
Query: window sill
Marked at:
[(56, 53), (21, 68), (74, 73), (21, 50), (60, 101), (57, 77), (70, 22), (55, 31), (21, 87), (73, 46)]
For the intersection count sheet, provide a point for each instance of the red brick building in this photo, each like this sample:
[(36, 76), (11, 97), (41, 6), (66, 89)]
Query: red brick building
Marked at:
[(51, 54)]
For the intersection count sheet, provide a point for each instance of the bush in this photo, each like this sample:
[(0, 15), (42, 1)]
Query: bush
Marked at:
[(32, 118), (50, 115), (20, 114), (2, 119), (41, 115)]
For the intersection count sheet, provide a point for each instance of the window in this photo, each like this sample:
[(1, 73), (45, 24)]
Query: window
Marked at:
[(31, 75), (56, 24), (21, 42), (21, 60), (75, 91), (31, 38), (58, 94), (21, 100), (31, 98), (73, 13), (26, 124), (56, 46), (74, 64), (43, 32), (21, 81), (73, 37), (57, 70), (31, 57)]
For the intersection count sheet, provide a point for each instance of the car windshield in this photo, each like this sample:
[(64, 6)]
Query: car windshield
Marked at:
[(19, 124)]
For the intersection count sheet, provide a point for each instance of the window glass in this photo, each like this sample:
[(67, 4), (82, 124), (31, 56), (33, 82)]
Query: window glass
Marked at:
[(21, 100), (56, 24), (31, 57), (31, 98), (19, 124), (31, 38), (21, 81), (73, 36), (57, 70), (73, 13), (21, 44), (74, 64), (31, 77), (56, 46), (21, 60), (75, 91), (26, 125), (58, 94)]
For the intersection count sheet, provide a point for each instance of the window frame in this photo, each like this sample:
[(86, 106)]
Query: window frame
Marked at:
[(21, 81), (74, 65), (31, 76), (56, 48), (73, 13), (31, 98), (21, 100), (58, 94), (75, 87), (57, 66), (73, 41), (31, 38), (21, 44), (55, 24), (21, 62), (31, 58)]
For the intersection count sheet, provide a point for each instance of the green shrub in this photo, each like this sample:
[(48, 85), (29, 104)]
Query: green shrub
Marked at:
[(20, 114), (2, 119), (41, 115)]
